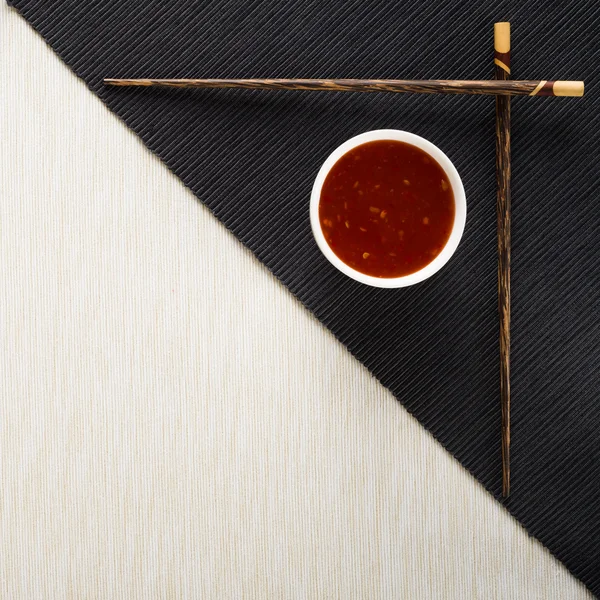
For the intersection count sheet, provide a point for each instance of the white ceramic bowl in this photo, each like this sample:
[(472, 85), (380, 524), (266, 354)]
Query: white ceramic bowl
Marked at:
[(460, 212)]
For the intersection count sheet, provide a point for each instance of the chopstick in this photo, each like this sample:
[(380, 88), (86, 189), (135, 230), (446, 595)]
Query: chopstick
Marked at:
[(502, 73), (441, 86)]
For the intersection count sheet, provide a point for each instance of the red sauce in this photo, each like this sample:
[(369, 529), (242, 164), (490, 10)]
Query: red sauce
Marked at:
[(386, 208)]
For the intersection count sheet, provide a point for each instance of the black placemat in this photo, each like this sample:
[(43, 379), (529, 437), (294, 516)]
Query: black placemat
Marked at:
[(252, 157)]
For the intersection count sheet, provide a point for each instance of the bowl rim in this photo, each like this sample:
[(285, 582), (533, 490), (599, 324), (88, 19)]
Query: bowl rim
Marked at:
[(460, 208)]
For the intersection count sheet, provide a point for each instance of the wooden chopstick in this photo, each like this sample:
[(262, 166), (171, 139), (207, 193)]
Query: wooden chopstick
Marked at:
[(441, 86), (502, 73)]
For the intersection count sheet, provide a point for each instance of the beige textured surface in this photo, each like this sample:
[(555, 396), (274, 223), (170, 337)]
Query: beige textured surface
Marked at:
[(173, 424)]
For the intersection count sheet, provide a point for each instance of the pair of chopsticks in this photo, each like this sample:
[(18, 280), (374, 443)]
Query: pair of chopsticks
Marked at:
[(503, 89)]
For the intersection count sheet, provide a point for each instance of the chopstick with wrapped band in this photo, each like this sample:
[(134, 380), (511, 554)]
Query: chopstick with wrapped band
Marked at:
[(502, 73), (433, 86)]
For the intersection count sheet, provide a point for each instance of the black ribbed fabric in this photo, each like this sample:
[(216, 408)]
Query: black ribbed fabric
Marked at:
[(252, 158)]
